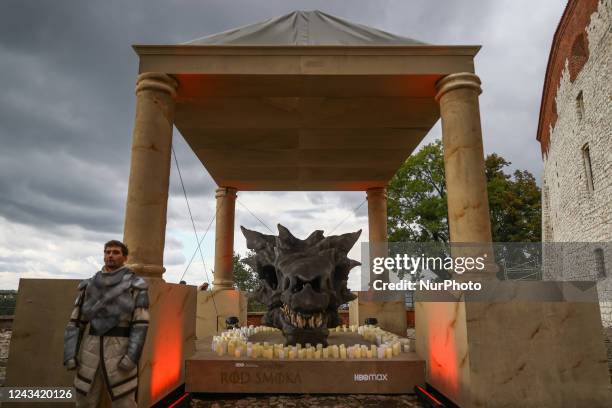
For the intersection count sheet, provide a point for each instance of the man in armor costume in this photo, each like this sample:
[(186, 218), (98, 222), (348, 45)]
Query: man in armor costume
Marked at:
[(107, 330)]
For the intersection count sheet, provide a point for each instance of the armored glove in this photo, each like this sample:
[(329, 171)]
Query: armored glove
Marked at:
[(74, 330)]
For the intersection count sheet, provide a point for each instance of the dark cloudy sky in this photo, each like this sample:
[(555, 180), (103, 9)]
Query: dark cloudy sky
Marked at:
[(67, 74)]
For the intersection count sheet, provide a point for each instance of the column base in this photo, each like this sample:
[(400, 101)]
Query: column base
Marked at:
[(390, 311), (148, 270), (223, 284), (214, 307)]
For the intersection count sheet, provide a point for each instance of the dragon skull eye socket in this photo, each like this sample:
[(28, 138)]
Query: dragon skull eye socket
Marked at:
[(315, 284), (268, 274)]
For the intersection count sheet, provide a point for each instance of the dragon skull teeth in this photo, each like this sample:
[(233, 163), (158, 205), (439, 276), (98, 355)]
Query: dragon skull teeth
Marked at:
[(316, 320)]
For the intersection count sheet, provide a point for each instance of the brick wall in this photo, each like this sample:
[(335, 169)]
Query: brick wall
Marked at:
[(575, 18)]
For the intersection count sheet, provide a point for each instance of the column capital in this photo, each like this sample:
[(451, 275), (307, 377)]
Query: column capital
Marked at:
[(457, 81), (376, 191), (156, 81), (226, 192)]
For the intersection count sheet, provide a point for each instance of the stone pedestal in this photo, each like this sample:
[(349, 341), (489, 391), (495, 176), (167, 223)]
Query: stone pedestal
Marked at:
[(390, 312), (515, 352), (216, 306), (170, 340), (42, 312), (209, 373)]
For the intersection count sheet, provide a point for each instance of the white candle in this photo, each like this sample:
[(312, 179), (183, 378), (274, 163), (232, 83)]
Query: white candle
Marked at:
[(221, 347), (396, 349)]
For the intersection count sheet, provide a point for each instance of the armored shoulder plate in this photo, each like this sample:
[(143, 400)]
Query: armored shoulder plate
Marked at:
[(83, 284), (140, 283)]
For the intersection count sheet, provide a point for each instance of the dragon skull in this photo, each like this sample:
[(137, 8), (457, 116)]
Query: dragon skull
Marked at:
[(302, 282)]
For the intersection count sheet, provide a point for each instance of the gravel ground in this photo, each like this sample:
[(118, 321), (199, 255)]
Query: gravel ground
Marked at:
[(308, 401), (5, 339), (608, 340)]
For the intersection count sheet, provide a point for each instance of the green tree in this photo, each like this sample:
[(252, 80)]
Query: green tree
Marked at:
[(245, 278), (417, 209), (416, 203), (514, 203)]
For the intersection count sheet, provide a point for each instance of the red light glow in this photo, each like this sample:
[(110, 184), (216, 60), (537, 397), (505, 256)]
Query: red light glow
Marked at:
[(167, 350), (178, 401), (443, 365)]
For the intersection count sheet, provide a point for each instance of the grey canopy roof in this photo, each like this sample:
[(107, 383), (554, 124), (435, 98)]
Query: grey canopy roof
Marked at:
[(304, 28)]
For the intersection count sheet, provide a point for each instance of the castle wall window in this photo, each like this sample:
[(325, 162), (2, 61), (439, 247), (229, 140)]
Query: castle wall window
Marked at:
[(580, 106), (600, 265), (586, 157)]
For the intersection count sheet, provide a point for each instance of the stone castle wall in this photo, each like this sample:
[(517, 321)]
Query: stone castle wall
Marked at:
[(576, 209)]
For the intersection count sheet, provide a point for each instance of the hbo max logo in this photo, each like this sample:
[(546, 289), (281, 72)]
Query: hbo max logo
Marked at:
[(371, 377)]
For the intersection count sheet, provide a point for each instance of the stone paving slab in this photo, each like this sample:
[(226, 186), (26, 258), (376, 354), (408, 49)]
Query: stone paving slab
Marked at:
[(306, 401)]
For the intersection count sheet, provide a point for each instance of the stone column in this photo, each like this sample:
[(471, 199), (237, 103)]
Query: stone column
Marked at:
[(466, 184), (147, 201), (468, 218), (377, 226), (224, 238), (388, 307)]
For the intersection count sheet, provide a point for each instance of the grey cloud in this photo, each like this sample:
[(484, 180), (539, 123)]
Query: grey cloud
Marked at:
[(67, 106)]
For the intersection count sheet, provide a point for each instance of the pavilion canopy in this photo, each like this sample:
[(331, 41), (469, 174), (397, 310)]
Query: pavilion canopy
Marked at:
[(304, 28), (306, 101)]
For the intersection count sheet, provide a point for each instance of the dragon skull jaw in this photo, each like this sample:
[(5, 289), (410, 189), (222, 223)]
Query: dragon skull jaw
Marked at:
[(300, 320)]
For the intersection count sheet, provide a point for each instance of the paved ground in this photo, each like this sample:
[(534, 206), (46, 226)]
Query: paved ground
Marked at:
[(310, 401), (294, 401)]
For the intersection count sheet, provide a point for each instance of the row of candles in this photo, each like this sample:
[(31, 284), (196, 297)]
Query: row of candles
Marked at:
[(234, 343)]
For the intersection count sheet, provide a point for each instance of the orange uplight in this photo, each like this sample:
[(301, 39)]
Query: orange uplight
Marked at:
[(443, 364), (167, 350)]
